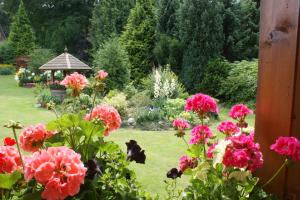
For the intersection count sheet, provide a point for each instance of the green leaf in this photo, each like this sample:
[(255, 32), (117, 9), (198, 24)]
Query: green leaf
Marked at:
[(241, 176), (8, 180), (194, 151), (201, 171), (33, 196)]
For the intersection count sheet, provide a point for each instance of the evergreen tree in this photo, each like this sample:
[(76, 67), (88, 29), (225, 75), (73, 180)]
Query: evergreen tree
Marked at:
[(113, 58), (139, 38), (21, 36), (167, 16), (201, 33), (241, 29), (109, 17)]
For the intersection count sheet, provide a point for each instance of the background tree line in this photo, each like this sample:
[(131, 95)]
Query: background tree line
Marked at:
[(140, 34)]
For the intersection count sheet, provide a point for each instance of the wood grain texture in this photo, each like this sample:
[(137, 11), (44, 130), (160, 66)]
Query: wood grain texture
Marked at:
[(276, 96)]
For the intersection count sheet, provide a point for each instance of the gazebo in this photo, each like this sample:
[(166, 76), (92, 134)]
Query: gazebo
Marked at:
[(65, 62)]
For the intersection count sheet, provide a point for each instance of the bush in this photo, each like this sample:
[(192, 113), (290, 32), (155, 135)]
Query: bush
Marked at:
[(214, 74), (7, 70), (113, 59), (140, 99), (241, 84), (24, 76), (151, 118), (38, 58), (117, 100), (45, 97), (6, 52), (172, 108)]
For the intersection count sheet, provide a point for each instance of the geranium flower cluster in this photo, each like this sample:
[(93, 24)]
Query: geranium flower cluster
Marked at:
[(10, 160), (200, 134), (239, 113), (180, 124), (201, 104), (287, 146), (101, 75), (59, 169), (186, 162), (33, 137), (243, 152), (108, 115), (76, 82), (228, 128)]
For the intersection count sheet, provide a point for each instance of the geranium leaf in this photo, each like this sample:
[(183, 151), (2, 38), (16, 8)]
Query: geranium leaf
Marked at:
[(240, 175), (201, 171), (8, 180)]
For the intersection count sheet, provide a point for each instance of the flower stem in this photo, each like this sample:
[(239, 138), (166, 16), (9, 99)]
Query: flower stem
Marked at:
[(276, 173), (204, 151), (18, 147), (185, 141)]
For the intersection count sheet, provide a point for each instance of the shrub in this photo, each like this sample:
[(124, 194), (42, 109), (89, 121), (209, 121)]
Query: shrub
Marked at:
[(151, 118), (140, 99), (24, 76), (113, 59), (45, 97), (39, 57), (117, 100), (162, 83), (6, 52), (172, 108), (241, 84), (213, 76), (7, 70)]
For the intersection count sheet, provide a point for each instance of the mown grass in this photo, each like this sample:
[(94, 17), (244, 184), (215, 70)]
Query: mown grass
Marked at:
[(162, 148)]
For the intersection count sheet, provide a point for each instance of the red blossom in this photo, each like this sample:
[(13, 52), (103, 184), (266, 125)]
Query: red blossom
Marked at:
[(228, 128), (202, 104), (200, 134), (9, 141), (186, 162), (288, 146)]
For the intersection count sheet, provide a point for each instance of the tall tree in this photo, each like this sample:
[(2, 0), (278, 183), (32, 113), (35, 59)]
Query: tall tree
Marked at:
[(167, 16), (139, 38), (109, 17), (241, 29), (201, 33), (21, 36)]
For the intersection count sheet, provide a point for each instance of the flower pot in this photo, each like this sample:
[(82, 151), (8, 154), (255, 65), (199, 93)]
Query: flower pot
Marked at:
[(61, 94)]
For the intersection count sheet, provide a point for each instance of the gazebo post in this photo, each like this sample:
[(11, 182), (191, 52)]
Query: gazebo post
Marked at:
[(278, 95), (52, 76)]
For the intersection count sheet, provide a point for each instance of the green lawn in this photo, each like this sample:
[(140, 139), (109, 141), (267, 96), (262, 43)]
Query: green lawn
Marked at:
[(162, 148)]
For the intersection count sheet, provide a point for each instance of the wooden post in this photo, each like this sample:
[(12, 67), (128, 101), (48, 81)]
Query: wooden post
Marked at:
[(52, 76), (278, 95)]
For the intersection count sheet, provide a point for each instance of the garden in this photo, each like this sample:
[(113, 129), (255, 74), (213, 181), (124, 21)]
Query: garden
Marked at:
[(119, 99)]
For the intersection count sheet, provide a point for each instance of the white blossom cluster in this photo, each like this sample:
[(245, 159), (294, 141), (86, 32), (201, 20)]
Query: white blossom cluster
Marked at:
[(163, 87)]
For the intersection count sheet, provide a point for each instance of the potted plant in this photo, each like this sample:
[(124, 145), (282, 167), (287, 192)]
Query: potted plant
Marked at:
[(57, 90)]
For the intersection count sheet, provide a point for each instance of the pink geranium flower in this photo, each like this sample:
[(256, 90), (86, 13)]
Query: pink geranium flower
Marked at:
[(59, 169), (75, 81), (108, 115), (210, 150), (228, 128), (239, 112), (33, 137), (201, 104), (10, 160), (186, 162), (200, 134), (180, 124), (288, 146), (101, 75), (243, 152)]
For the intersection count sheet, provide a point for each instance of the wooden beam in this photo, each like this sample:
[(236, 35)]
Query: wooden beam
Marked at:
[(278, 103)]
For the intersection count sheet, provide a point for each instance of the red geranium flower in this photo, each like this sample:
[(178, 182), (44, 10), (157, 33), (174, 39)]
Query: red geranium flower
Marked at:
[(9, 141)]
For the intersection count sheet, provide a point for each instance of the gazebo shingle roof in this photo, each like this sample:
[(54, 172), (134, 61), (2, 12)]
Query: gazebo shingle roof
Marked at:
[(65, 61)]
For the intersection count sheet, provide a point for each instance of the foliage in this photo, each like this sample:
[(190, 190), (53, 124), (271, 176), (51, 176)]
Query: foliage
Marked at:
[(6, 52), (21, 36), (162, 83), (168, 51), (214, 75), (173, 108), (24, 76), (44, 96), (7, 70), (39, 57), (241, 83), (151, 118), (167, 16), (201, 33), (241, 29), (117, 100), (139, 38), (113, 58), (109, 18)]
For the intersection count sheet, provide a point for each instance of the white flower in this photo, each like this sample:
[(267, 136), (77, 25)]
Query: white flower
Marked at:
[(166, 88), (32, 73), (219, 151), (157, 84)]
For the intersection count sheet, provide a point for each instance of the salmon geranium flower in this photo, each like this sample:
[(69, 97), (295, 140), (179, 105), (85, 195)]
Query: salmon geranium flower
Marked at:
[(10, 160), (33, 137), (101, 75), (58, 169), (76, 82), (108, 115)]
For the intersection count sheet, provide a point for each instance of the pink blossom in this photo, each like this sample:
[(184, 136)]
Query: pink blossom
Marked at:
[(101, 75), (288, 146), (201, 103), (75, 81), (239, 112), (9, 159), (243, 152), (180, 124), (186, 162), (108, 115), (33, 137), (59, 169), (200, 134), (228, 128), (210, 150)]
